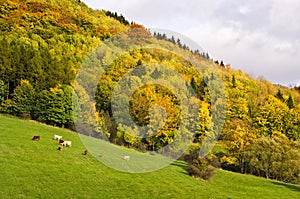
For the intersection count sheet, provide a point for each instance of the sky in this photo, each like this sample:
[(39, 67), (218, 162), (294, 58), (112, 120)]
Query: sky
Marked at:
[(260, 37)]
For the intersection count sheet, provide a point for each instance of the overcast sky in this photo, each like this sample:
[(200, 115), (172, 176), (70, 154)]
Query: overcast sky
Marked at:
[(260, 37)]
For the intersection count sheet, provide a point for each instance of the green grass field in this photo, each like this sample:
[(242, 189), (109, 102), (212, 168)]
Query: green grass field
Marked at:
[(36, 169)]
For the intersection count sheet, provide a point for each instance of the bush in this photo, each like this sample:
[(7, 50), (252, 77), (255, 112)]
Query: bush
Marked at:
[(184, 157), (191, 156), (193, 171), (209, 172), (201, 168), (140, 146), (214, 161)]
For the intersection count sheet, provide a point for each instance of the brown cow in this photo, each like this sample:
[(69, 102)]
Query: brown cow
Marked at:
[(60, 148), (36, 137), (61, 141), (85, 152), (102, 155)]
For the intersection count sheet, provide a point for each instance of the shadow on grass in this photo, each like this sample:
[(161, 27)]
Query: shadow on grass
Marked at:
[(289, 186), (182, 165), (179, 164)]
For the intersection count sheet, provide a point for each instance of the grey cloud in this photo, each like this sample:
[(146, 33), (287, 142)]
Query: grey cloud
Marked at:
[(259, 37)]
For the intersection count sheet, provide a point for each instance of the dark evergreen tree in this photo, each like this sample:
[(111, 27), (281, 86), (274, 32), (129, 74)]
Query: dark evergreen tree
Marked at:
[(173, 40), (164, 37), (279, 95), (222, 64), (290, 102), (207, 56), (179, 43), (233, 81)]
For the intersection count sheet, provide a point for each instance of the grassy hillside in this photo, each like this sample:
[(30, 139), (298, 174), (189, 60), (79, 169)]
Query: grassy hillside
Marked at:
[(35, 169)]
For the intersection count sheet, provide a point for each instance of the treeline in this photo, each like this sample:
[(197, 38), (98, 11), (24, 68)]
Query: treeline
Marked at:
[(115, 15), (196, 52), (53, 106)]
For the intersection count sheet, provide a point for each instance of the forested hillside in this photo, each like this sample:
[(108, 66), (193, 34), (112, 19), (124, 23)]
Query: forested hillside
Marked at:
[(44, 43), (42, 46)]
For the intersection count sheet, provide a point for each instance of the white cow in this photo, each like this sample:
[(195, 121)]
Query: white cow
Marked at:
[(126, 157), (67, 143), (57, 137)]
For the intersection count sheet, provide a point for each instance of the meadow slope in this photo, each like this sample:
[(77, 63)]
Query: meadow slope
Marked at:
[(36, 169)]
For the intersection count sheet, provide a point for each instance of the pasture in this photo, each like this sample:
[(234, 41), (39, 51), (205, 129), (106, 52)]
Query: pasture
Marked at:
[(36, 169)]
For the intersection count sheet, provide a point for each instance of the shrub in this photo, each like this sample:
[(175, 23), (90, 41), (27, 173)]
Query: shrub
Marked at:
[(193, 171), (214, 161), (191, 156), (209, 172), (201, 168)]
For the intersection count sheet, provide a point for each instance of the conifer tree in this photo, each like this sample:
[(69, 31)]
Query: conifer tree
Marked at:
[(279, 95), (290, 102), (233, 81)]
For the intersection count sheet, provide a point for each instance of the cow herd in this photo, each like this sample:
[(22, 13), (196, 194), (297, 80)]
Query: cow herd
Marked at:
[(63, 144)]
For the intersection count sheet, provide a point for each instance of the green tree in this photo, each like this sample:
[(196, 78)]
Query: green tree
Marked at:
[(55, 106), (290, 102), (271, 116), (275, 157), (24, 99), (279, 95), (233, 81), (3, 91)]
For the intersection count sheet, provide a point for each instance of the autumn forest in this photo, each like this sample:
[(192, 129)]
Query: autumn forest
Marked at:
[(46, 43)]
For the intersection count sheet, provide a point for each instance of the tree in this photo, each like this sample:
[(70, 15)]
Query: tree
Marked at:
[(237, 106), (279, 95), (275, 157), (173, 40), (233, 81), (290, 102), (55, 106), (222, 64), (3, 91), (272, 116), (204, 123), (237, 136), (103, 93), (179, 43), (24, 99)]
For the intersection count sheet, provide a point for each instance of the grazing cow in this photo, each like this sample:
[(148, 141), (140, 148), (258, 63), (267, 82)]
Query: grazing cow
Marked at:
[(60, 148), (61, 141), (102, 155), (57, 137), (126, 157), (67, 143), (85, 152), (36, 137)]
